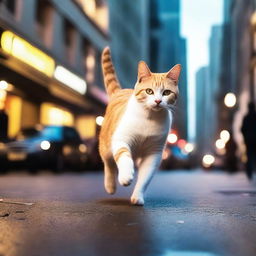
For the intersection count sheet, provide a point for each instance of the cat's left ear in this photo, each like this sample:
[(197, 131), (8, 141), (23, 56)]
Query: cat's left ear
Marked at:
[(174, 73), (143, 71)]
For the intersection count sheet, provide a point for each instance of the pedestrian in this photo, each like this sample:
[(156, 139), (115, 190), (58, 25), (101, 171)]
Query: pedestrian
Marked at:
[(231, 163), (249, 133)]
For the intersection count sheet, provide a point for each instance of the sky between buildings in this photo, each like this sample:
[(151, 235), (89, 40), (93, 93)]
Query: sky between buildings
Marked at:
[(197, 17)]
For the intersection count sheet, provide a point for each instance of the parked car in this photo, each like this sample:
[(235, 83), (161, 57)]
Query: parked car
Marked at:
[(55, 147)]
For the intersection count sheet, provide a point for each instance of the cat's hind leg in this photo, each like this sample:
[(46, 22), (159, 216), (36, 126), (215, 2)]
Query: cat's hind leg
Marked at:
[(110, 172), (125, 164), (147, 168)]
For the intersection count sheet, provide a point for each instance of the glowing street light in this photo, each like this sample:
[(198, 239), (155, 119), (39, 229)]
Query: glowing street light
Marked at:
[(172, 138), (220, 144), (189, 147), (230, 100), (225, 135), (208, 160), (99, 120)]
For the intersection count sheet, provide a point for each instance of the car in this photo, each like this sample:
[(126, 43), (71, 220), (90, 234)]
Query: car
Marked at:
[(52, 146)]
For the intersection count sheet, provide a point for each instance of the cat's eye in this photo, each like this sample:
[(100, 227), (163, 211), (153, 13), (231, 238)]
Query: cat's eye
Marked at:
[(167, 92), (149, 91)]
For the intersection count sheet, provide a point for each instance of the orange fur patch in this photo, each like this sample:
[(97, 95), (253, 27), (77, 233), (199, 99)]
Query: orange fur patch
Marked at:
[(114, 112), (120, 152)]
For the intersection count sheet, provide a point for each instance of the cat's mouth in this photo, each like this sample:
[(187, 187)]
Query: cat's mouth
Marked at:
[(157, 107)]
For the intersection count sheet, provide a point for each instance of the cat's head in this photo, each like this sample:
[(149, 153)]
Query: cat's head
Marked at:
[(157, 91)]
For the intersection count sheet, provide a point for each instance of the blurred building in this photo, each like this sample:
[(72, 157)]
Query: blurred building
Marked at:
[(239, 63), (214, 88), (203, 143), (149, 30), (50, 62), (208, 89)]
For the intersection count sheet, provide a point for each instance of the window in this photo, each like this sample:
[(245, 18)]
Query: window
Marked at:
[(44, 21), (10, 5), (70, 41), (89, 61), (97, 10)]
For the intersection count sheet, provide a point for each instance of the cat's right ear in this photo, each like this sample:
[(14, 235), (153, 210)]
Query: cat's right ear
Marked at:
[(143, 71)]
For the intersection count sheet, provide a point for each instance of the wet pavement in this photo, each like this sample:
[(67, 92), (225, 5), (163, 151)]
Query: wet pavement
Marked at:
[(186, 214)]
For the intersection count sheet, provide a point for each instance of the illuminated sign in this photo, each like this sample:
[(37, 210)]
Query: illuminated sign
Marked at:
[(27, 53), (70, 79)]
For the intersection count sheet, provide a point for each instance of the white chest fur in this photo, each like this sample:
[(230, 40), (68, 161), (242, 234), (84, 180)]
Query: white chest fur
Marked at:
[(138, 125)]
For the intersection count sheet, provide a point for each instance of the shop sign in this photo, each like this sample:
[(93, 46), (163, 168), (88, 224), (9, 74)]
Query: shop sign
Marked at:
[(27, 53), (70, 79)]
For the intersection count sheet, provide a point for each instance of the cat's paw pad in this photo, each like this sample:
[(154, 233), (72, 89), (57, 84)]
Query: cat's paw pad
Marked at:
[(137, 200), (125, 179)]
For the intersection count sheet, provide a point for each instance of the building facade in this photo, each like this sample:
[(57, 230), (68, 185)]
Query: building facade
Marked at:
[(50, 64), (203, 107), (239, 63)]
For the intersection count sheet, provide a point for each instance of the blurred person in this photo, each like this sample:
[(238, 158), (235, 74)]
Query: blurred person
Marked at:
[(231, 162), (249, 132), (3, 125)]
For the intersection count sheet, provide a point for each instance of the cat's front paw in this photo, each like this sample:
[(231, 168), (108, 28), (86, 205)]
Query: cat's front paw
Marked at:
[(125, 178), (137, 200)]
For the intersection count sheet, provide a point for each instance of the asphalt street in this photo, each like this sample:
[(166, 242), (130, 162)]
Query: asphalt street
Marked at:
[(185, 214)]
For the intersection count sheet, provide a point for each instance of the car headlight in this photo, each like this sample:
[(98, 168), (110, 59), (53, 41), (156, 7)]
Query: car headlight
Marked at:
[(82, 148), (45, 145)]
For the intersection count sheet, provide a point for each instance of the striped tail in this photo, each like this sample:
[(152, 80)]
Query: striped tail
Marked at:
[(111, 83)]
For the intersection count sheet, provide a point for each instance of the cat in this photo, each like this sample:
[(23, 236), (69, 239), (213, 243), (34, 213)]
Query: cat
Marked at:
[(136, 124)]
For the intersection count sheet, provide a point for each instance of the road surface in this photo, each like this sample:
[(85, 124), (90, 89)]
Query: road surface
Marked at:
[(186, 214)]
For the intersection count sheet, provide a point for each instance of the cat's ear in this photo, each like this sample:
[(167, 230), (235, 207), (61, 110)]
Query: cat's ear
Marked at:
[(143, 71), (174, 73)]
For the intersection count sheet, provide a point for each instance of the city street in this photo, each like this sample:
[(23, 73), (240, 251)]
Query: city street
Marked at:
[(186, 213)]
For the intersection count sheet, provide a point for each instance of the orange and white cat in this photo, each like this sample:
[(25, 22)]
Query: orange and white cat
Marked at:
[(136, 125)]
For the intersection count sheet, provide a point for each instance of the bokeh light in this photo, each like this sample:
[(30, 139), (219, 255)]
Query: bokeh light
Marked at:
[(172, 138), (208, 160), (99, 120), (225, 135), (230, 100)]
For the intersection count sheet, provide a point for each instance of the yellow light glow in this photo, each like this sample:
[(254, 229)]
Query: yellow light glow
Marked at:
[(172, 138), (208, 160), (14, 113), (89, 123), (99, 120), (2, 95), (67, 150), (253, 19), (189, 147), (230, 100), (90, 61), (220, 144), (82, 148), (52, 115), (24, 51), (70, 79), (225, 135)]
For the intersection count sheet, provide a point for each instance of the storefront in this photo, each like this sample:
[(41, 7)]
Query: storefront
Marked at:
[(36, 89)]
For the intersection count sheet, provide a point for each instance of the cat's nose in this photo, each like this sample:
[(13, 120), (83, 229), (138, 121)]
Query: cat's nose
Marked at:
[(158, 101)]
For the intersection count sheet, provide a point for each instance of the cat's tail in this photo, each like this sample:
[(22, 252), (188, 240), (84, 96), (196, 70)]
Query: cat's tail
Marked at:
[(110, 79)]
